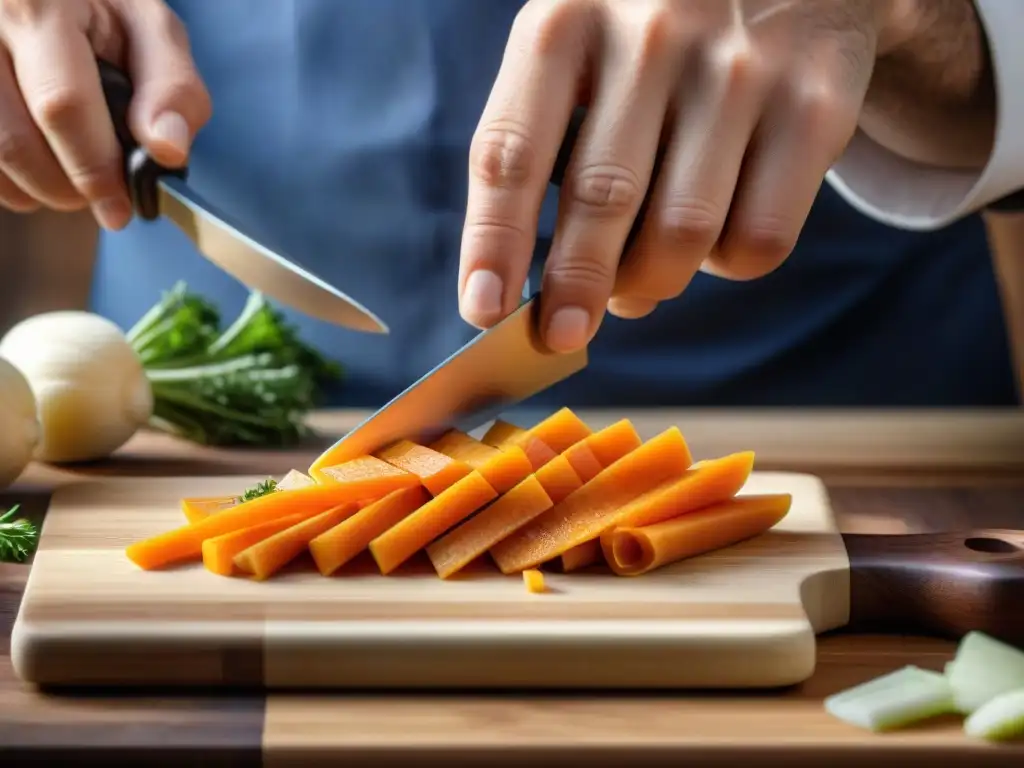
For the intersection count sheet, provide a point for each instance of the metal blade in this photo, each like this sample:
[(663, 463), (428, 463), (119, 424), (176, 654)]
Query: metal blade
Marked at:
[(498, 369), (257, 267)]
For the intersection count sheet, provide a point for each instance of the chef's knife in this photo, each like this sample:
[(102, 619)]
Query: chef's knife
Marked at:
[(157, 191), (499, 368)]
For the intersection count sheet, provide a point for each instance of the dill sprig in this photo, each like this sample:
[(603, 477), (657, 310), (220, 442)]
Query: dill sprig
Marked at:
[(18, 538), (260, 489)]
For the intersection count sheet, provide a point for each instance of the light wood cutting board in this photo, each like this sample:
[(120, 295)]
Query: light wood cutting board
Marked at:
[(743, 617)]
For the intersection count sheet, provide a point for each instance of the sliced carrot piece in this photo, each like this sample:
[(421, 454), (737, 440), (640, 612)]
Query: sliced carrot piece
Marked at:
[(219, 552), (436, 471), (357, 469), (198, 508), (333, 548), (603, 448), (410, 535), (581, 556), (294, 479), (534, 581), (507, 437), (634, 551), (185, 543), (460, 546), (704, 483), (266, 557), (502, 469), (558, 478), (583, 515)]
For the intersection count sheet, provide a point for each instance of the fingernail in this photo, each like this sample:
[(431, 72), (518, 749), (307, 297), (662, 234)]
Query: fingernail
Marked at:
[(568, 329), (171, 129), (482, 296), (112, 213)]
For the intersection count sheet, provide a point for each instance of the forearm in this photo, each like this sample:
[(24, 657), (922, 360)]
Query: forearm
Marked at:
[(932, 98)]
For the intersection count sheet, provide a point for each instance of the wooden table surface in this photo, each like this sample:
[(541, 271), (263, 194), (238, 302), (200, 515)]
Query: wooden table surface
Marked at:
[(884, 476)]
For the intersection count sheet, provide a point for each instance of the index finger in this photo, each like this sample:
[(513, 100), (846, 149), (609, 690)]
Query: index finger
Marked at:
[(59, 80), (510, 160)]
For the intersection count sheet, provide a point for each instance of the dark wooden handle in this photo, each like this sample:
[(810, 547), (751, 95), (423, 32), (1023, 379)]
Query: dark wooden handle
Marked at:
[(941, 584)]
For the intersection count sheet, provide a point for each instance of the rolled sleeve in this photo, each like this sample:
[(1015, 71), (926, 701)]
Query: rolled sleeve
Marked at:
[(910, 195)]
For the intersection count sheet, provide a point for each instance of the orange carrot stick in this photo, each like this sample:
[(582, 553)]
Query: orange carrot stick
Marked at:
[(558, 479), (534, 581), (333, 548), (634, 551), (219, 552), (542, 442), (581, 556), (408, 536), (436, 471), (185, 543), (198, 508), (502, 469), (704, 483), (463, 544), (505, 436), (583, 515), (264, 558), (294, 479), (603, 448)]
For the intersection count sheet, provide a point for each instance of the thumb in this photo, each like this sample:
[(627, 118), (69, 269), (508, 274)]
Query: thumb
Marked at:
[(171, 102)]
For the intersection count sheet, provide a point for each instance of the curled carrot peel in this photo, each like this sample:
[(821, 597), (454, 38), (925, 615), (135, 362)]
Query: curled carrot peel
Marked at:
[(185, 543), (635, 551), (219, 552), (436, 471), (336, 547), (584, 514), (267, 556), (463, 544)]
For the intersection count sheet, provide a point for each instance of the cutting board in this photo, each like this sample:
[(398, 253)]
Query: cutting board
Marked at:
[(742, 617)]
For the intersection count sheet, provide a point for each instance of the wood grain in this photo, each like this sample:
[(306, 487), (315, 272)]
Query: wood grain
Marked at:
[(741, 617)]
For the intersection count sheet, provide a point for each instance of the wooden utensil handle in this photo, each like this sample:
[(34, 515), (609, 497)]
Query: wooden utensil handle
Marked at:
[(141, 171), (943, 584)]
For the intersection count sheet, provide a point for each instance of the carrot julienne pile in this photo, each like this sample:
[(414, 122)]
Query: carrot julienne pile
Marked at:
[(558, 495)]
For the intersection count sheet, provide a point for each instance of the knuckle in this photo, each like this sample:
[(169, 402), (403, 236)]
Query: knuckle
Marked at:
[(584, 270), (14, 148), (502, 155), (689, 224), (15, 12), (821, 107), (737, 64), (56, 106), (762, 244), (548, 27), (659, 32), (606, 190), (94, 182)]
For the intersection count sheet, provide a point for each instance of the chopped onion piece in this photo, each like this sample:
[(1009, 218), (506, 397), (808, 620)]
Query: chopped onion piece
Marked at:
[(983, 669), (899, 698), (998, 719)]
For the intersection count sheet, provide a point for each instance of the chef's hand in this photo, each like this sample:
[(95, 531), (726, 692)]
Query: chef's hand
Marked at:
[(754, 99), (57, 145)]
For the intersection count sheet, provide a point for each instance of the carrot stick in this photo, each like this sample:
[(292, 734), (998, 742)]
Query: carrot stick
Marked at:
[(705, 483), (219, 552), (634, 551), (585, 513), (505, 437), (461, 545), (333, 548), (408, 536), (558, 479), (185, 543), (581, 556), (542, 442), (601, 449), (436, 471), (198, 508), (294, 479), (502, 469), (264, 558)]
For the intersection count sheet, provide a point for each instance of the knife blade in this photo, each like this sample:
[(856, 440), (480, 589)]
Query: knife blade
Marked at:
[(499, 368), (164, 192)]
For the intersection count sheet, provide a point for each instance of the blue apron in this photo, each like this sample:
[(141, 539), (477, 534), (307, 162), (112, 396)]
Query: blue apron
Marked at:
[(340, 135)]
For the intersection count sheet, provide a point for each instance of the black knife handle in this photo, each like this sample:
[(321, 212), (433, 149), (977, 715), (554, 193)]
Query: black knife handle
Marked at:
[(572, 134), (141, 171)]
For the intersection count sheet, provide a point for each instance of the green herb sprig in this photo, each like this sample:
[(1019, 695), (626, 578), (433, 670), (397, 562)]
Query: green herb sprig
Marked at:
[(260, 489), (250, 384), (18, 538)]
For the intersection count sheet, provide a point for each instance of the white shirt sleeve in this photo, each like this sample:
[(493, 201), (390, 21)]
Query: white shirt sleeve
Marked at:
[(909, 195)]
